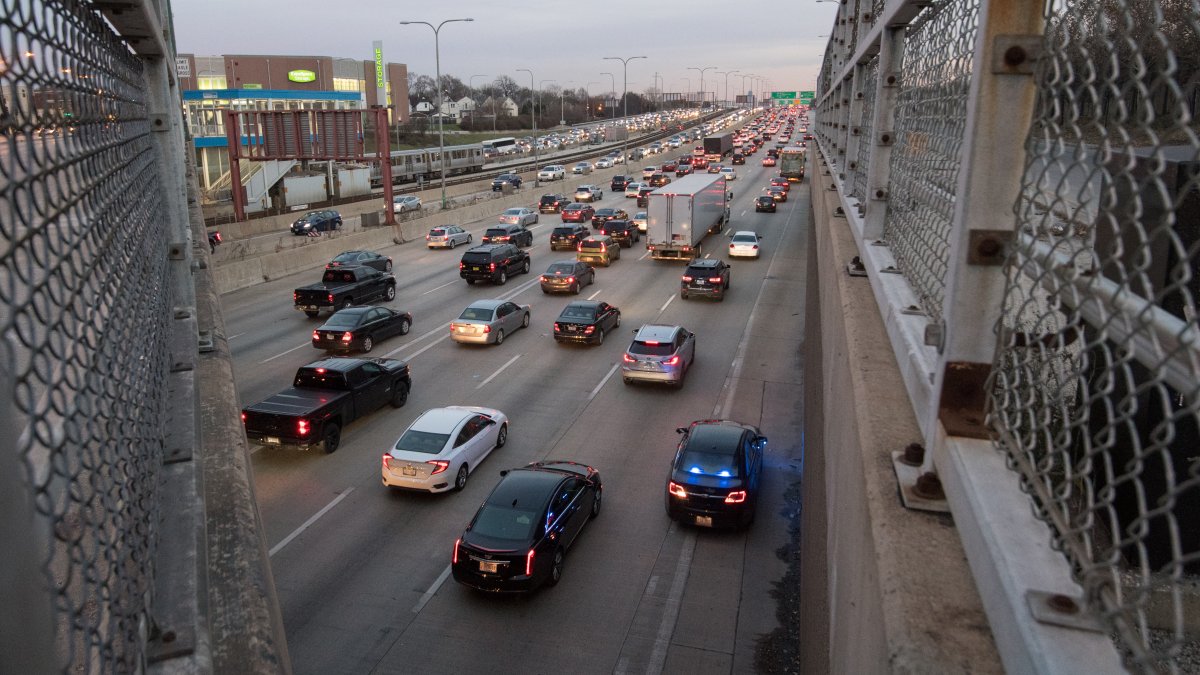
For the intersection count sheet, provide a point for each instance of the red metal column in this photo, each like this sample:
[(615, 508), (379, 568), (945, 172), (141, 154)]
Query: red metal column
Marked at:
[(233, 138)]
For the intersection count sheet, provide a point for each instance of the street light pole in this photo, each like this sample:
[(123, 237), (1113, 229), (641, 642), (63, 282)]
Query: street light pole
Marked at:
[(727, 73), (437, 56), (533, 111), (701, 70), (625, 96)]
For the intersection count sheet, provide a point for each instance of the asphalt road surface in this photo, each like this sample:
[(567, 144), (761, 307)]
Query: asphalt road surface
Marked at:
[(362, 571)]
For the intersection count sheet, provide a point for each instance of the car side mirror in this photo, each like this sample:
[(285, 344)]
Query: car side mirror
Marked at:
[(681, 430), (503, 473)]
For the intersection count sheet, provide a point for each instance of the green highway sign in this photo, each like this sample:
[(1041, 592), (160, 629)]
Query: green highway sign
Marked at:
[(806, 97), (783, 94)]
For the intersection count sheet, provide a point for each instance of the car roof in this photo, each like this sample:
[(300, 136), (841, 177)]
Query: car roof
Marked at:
[(486, 304), (748, 233), (485, 248), (657, 332), (534, 486), (704, 263), (440, 419), (589, 304), (716, 435)]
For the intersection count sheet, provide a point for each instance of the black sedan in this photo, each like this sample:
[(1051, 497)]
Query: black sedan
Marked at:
[(606, 214), (764, 203), (520, 535), (510, 178), (359, 328), (367, 258), (624, 232), (716, 474), (317, 221), (586, 321)]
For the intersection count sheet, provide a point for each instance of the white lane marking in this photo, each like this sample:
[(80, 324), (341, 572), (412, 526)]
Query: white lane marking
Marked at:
[(664, 307), (596, 389), (534, 227), (498, 371), (429, 346), (306, 344), (308, 523), (410, 343), (662, 642), (729, 230), (522, 288), (706, 255), (593, 295), (232, 337), (743, 213), (644, 255), (432, 590), (439, 287)]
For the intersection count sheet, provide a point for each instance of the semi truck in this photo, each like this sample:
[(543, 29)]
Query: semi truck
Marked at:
[(680, 214), (717, 146)]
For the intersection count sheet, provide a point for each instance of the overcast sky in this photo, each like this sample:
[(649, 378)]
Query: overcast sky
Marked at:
[(560, 40)]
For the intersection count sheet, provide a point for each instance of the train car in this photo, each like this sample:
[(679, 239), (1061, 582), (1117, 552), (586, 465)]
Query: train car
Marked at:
[(409, 166)]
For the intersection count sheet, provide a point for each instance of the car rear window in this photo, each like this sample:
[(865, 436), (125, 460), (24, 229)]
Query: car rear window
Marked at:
[(512, 212), (495, 232), (592, 243), (422, 441), (549, 199), (476, 314), (561, 268), (709, 464), (437, 232), (652, 348), (505, 523), (477, 258), (564, 231), (577, 312)]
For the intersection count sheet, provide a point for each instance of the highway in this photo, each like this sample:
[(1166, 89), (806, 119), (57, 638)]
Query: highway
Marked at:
[(362, 572)]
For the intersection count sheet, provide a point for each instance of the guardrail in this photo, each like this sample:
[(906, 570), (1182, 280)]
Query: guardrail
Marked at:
[(1022, 179)]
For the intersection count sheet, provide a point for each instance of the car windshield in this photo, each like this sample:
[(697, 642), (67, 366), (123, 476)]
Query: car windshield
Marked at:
[(651, 348), (343, 320), (745, 239), (708, 464), (477, 314), (577, 312), (422, 441), (561, 268), (641, 215), (505, 523)]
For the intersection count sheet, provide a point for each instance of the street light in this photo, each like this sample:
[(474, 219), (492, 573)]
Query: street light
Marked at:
[(437, 56), (625, 96), (532, 100), (701, 70), (726, 74)]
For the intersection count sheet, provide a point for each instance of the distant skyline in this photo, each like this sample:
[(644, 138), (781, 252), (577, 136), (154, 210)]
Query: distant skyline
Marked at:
[(561, 42)]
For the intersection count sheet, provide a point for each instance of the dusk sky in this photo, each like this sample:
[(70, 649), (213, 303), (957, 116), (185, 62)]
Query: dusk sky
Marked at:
[(560, 41)]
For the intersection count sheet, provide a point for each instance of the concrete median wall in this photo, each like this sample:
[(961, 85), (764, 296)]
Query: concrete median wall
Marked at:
[(884, 589)]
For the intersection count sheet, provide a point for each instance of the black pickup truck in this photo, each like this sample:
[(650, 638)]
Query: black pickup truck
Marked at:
[(344, 286), (326, 396)]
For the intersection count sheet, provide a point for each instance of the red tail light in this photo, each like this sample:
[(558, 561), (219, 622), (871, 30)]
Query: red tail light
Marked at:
[(687, 277), (243, 418), (487, 329), (439, 465), (714, 280), (628, 359), (491, 267), (454, 556), (387, 461), (735, 497), (295, 296), (462, 265), (676, 490), (347, 336), (217, 236), (316, 335), (329, 298), (570, 280), (673, 361), (302, 428), (589, 330), (557, 328), (529, 563)]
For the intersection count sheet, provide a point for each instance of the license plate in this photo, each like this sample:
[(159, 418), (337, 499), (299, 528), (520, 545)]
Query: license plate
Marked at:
[(476, 269), (408, 471), (700, 282), (329, 336), (485, 566), (272, 440), (704, 521)]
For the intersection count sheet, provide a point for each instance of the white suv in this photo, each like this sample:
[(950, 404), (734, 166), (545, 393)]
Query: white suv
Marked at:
[(552, 172)]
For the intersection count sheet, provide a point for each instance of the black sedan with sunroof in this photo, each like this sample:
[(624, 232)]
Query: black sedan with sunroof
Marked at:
[(716, 474)]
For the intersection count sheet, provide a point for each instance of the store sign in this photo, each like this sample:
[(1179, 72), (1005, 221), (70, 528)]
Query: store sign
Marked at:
[(249, 85), (301, 75), (380, 79), (183, 67)]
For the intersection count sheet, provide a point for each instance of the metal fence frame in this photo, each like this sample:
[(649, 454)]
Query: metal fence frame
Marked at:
[(948, 327)]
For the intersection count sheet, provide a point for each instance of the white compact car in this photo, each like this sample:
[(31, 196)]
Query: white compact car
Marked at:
[(744, 244), (440, 449)]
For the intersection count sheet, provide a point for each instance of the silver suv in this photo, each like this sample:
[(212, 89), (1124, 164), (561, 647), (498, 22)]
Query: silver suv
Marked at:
[(659, 354)]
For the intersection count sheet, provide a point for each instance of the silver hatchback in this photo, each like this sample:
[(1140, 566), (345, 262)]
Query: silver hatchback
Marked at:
[(659, 354)]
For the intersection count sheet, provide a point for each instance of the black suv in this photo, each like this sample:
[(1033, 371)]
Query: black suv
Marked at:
[(716, 474), (510, 178), (552, 203), (567, 236), (619, 182), (508, 233), (705, 276), (624, 232), (493, 262)]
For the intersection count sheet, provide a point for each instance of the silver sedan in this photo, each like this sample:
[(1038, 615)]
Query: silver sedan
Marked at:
[(488, 322), (519, 216)]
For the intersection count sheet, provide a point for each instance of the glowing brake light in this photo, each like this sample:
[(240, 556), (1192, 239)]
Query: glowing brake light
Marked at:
[(714, 280), (529, 563), (673, 361), (316, 335), (439, 465), (589, 330), (320, 371), (243, 418), (491, 267), (687, 277), (387, 461), (628, 359), (347, 336), (735, 497), (570, 280), (454, 556), (302, 427), (557, 328), (462, 265), (676, 490)]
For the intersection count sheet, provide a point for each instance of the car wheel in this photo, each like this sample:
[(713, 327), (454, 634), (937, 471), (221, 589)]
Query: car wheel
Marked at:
[(311, 315), (575, 288), (503, 278), (596, 502), (400, 395), (470, 238), (525, 266), (460, 480), (600, 337), (347, 302), (556, 568), (683, 295), (332, 438), (627, 380), (368, 344), (387, 266), (390, 293), (502, 436), (500, 336), (618, 324), (405, 326), (525, 320), (453, 243)]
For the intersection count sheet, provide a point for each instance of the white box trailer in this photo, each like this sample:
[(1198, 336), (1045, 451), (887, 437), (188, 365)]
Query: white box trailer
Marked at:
[(680, 214)]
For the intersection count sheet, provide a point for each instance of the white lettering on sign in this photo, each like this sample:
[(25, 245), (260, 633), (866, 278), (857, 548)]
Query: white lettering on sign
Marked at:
[(183, 67)]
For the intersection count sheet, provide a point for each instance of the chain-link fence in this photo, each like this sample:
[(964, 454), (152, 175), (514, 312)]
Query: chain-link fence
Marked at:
[(85, 305), (1094, 393)]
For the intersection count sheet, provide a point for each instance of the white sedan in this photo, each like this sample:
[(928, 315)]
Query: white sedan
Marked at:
[(744, 244), (440, 449), (728, 172), (604, 163), (405, 203)]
